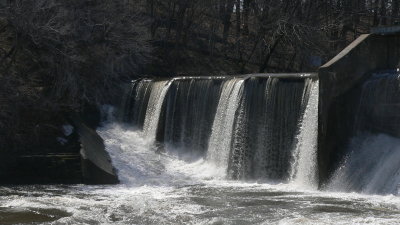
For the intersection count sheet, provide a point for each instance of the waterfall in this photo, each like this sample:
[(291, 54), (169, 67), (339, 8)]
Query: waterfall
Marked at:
[(244, 126), (304, 166), (135, 102), (220, 142), (279, 122), (190, 109), (265, 127), (154, 107)]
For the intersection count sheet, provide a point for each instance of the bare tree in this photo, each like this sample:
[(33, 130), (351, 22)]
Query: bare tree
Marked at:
[(88, 48), (57, 56)]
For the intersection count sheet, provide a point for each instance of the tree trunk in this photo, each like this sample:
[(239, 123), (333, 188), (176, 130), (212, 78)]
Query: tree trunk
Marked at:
[(383, 19), (227, 19), (180, 15), (395, 12), (171, 13), (269, 54), (376, 8), (246, 8), (238, 29), (238, 19)]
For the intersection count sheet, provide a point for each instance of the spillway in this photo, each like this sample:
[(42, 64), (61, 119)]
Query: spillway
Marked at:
[(265, 128), (188, 117), (249, 127)]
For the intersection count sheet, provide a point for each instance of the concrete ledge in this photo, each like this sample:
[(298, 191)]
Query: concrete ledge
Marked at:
[(246, 76), (282, 75)]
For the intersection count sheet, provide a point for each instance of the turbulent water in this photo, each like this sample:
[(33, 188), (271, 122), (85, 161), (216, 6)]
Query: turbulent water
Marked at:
[(220, 151), (163, 189)]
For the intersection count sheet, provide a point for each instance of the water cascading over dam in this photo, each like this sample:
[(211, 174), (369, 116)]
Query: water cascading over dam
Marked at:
[(188, 116), (372, 164), (250, 127), (250, 149)]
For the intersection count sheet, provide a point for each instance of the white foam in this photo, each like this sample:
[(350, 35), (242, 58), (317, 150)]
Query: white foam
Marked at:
[(138, 164)]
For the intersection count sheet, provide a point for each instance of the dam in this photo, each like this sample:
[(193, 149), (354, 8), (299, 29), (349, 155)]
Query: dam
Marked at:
[(234, 125), (295, 148), (290, 128)]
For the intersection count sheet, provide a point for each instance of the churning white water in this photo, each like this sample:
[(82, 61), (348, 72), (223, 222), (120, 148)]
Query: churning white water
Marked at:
[(162, 189), (304, 168), (139, 164)]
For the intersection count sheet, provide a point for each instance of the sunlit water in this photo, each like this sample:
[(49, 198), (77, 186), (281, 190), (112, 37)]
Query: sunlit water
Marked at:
[(161, 189)]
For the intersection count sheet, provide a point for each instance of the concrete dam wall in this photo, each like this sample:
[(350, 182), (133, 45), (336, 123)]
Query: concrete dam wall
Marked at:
[(244, 124), (344, 82)]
